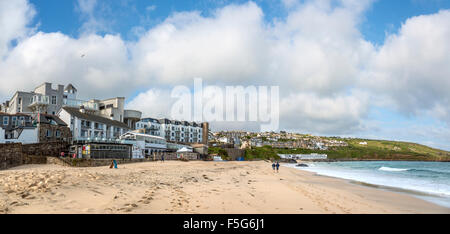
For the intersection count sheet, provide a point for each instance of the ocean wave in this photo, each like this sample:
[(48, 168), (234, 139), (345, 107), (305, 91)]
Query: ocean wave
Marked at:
[(430, 172), (392, 169)]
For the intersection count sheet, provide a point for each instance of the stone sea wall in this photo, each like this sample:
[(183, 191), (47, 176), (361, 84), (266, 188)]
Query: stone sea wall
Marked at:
[(16, 154)]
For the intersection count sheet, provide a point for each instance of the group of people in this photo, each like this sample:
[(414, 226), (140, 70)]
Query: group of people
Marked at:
[(277, 166)]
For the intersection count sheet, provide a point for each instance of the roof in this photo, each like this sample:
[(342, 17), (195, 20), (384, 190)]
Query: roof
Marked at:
[(51, 119), (16, 114), (76, 112), (145, 135), (70, 86), (184, 149), (149, 119)]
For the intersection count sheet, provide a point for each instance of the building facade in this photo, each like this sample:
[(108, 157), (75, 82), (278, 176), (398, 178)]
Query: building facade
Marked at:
[(49, 98), (173, 130), (17, 128), (86, 126), (30, 129)]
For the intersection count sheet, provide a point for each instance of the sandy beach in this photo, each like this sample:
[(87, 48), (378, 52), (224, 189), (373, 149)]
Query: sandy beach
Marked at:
[(195, 187)]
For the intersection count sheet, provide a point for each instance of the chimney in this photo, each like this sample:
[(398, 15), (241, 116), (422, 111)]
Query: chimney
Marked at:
[(205, 131)]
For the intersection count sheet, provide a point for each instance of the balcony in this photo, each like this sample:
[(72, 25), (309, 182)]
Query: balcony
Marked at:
[(78, 103), (132, 114), (39, 100)]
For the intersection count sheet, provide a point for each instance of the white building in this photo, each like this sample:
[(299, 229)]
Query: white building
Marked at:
[(172, 130), (86, 126), (144, 144), (313, 156), (50, 98), (17, 128)]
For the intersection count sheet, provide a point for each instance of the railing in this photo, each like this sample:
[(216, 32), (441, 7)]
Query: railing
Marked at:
[(40, 100), (132, 114), (97, 139), (78, 103)]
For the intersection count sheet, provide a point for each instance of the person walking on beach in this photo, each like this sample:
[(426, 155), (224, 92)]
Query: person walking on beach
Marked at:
[(278, 166), (273, 166), (162, 158)]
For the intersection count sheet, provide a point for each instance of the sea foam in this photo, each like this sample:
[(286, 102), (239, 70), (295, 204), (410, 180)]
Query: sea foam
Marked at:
[(392, 169)]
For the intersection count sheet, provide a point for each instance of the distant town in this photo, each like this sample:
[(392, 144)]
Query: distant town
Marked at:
[(245, 140)]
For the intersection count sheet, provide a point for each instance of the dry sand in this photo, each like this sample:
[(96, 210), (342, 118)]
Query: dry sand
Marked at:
[(195, 188)]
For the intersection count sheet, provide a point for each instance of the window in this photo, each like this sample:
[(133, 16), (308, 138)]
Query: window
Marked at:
[(5, 120), (14, 121), (58, 134), (49, 133), (53, 100), (21, 121), (20, 101)]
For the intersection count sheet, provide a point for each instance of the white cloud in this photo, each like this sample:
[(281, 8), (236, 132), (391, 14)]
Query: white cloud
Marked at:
[(229, 46), (14, 18), (412, 69), (306, 112), (55, 57), (154, 103), (329, 75)]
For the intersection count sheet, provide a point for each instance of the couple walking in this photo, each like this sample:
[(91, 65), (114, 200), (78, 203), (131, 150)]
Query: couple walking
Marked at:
[(275, 165)]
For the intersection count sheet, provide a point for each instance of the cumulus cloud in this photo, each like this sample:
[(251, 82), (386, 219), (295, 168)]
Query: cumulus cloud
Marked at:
[(94, 64), (14, 18), (329, 75), (310, 113), (230, 46), (412, 69)]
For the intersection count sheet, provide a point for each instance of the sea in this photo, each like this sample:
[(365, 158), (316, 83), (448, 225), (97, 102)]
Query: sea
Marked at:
[(429, 181)]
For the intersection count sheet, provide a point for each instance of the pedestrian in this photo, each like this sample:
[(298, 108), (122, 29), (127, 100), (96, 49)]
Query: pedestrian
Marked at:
[(273, 166), (278, 166), (162, 158)]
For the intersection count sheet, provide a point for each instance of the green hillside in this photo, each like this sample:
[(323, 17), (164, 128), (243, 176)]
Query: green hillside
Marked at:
[(374, 150)]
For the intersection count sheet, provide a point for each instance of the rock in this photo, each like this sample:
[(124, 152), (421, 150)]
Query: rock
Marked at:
[(301, 165)]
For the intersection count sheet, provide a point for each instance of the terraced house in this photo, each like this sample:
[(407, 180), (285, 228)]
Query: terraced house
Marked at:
[(172, 130)]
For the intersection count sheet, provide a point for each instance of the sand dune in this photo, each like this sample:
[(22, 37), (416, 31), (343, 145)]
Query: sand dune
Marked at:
[(192, 187)]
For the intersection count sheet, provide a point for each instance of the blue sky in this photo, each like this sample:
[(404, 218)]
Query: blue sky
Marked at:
[(327, 58), (55, 15)]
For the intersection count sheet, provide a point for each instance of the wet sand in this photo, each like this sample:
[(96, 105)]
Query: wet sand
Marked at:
[(194, 187)]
